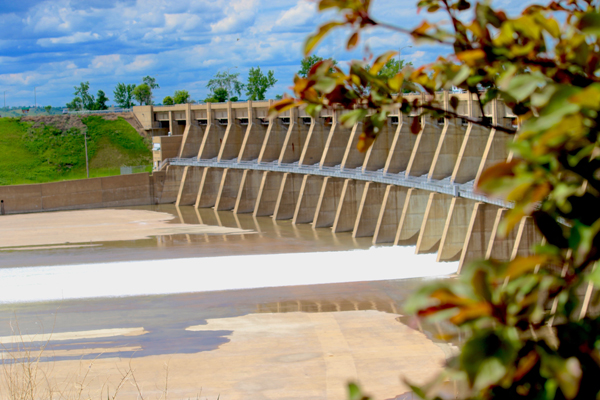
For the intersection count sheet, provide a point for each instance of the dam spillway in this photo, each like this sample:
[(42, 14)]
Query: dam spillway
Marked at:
[(406, 189)]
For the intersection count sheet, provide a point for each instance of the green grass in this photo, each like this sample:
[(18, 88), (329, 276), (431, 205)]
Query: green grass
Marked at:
[(44, 153)]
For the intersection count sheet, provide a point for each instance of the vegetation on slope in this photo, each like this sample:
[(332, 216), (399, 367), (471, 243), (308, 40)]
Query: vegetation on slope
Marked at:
[(44, 152)]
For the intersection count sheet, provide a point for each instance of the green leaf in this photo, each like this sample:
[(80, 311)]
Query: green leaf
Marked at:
[(489, 95), (590, 23), (522, 86), (313, 40), (325, 84), (395, 82), (353, 391), (480, 285), (594, 276), (313, 109), (588, 97), (490, 372), (350, 118), (461, 76), (381, 61)]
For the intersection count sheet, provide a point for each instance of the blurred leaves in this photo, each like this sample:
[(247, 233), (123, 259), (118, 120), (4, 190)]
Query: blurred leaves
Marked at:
[(543, 64)]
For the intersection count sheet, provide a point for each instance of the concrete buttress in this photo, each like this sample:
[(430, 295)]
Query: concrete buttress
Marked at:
[(369, 209), (268, 194), (228, 189), (209, 187), (288, 196), (390, 214), (308, 199)]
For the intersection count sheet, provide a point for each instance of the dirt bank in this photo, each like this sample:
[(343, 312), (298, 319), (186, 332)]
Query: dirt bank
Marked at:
[(67, 121), (88, 226)]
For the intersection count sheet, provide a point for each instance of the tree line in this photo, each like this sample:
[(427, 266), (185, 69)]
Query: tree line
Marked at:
[(224, 86)]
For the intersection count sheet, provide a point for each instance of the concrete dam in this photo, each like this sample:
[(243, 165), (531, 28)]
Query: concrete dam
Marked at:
[(406, 189)]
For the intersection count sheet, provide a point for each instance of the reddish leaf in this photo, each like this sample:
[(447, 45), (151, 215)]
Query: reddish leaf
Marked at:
[(364, 142), (415, 126), (352, 42), (496, 171)]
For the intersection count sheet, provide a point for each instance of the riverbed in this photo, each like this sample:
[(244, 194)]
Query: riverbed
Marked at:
[(239, 306)]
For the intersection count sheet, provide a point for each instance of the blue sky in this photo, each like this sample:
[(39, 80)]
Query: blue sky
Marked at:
[(56, 44)]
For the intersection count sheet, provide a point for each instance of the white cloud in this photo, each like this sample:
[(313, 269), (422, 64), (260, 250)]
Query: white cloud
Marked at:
[(24, 78), (239, 15), (298, 15), (107, 62), (78, 37), (182, 22), (141, 63), (417, 58)]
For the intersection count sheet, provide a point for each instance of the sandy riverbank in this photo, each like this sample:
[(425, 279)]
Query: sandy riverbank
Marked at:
[(267, 356), (89, 226)]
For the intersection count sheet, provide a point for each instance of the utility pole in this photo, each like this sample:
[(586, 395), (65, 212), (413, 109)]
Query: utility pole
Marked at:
[(87, 166), (5, 99), (35, 96), (400, 51)]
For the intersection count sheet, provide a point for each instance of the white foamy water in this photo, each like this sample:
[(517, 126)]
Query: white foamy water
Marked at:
[(187, 275)]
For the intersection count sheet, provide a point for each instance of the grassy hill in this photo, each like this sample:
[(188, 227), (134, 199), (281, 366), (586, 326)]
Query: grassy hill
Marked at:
[(52, 148)]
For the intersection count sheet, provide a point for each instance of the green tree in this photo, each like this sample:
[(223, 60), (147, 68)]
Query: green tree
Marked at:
[(101, 100), (123, 95), (168, 101), (86, 100), (75, 105), (48, 109), (151, 82), (228, 81), (182, 97), (392, 68), (143, 94), (526, 333), (259, 83), (219, 95), (307, 63)]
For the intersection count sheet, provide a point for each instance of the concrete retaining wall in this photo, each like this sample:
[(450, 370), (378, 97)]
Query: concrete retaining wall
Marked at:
[(112, 191)]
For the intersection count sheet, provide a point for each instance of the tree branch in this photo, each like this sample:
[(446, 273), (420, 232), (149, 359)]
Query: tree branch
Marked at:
[(475, 121), (411, 33)]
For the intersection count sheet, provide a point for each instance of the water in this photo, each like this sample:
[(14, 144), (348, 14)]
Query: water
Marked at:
[(167, 283), (266, 236), (268, 253)]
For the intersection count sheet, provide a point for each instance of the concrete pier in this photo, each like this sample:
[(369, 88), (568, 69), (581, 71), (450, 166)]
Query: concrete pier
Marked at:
[(268, 194), (308, 198)]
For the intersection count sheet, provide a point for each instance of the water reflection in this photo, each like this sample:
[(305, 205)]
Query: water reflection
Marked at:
[(316, 306), (266, 236), (166, 317)]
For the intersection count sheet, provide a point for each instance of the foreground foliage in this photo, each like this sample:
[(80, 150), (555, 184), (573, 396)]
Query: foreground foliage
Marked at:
[(529, 333)]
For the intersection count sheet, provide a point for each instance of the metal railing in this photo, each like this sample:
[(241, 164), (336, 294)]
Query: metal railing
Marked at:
[(85, 112), (127, 170), (444, 186)]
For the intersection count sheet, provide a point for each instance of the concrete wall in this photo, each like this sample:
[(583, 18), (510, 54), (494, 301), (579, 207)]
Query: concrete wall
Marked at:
[(112, 191), (169, 147)]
